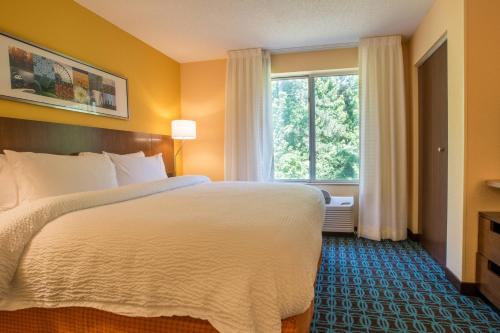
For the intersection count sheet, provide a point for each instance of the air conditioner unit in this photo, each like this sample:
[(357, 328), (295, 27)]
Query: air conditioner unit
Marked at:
[(339, 215)]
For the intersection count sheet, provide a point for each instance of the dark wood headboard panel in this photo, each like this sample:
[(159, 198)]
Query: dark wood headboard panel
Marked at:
[(62, 139)]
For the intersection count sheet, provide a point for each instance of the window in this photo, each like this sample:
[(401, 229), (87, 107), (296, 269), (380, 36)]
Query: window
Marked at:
[(316, 128)]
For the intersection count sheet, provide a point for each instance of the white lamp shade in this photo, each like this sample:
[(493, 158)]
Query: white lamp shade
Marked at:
[(184, 129)]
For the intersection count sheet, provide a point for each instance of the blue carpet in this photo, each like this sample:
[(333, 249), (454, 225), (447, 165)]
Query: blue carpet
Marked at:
[(367, 286)]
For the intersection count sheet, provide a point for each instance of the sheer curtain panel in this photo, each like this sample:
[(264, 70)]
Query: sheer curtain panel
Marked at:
[(248, 128), (383, 191)]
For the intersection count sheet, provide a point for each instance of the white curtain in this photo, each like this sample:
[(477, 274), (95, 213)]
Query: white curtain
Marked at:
[(248, 128), (383, 192)]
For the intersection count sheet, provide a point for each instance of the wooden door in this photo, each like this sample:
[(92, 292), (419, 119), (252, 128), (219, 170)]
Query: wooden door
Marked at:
[(433, 108)]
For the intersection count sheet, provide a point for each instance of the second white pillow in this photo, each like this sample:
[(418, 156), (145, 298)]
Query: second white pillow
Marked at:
[(137, 169), (88, 153)]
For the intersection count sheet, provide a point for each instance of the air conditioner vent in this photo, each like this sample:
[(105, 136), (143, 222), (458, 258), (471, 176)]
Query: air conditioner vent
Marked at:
[(339, 215)]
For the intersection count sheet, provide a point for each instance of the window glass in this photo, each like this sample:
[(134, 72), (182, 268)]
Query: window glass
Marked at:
[(335, 116), (291, 128), (337, 127)]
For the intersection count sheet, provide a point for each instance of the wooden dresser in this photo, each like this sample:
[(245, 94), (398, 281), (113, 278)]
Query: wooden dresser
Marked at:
[(488, 256)]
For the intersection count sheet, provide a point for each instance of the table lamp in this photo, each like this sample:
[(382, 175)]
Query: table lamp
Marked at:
[(182, 130)]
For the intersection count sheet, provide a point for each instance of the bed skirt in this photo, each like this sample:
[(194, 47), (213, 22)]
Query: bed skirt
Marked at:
[(89, 320)]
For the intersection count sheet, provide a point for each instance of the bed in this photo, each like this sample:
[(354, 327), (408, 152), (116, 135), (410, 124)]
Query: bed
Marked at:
[(182, 254)]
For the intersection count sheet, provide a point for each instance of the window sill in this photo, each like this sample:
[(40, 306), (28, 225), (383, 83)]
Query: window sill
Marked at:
[(334, 183), (318, 182)]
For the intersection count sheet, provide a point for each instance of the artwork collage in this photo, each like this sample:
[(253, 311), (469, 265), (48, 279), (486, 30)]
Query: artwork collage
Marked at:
[(39, 75)]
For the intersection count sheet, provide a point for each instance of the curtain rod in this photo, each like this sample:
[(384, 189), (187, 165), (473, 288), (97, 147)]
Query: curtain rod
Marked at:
[(313, 48)]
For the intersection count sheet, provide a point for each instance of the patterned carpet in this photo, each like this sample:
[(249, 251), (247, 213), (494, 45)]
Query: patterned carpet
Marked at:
[(367, 286)]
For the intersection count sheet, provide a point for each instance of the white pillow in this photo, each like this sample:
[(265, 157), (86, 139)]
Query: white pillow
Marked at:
[(138, 154), (45, 175), (134, 169), (8, 186)]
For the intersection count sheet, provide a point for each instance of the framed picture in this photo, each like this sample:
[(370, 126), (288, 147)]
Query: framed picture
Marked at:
[(33, 74)]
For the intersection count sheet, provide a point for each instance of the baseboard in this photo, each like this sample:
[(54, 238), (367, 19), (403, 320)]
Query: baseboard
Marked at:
[(412, 236), (465, 288)]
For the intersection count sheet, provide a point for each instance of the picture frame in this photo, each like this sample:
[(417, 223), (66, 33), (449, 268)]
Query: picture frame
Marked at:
[(34, 74)]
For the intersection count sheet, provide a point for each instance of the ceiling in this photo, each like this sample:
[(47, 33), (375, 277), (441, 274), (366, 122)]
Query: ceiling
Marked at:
[(194, 30)]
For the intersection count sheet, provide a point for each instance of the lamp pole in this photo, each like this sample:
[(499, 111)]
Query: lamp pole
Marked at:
[(175, 156)]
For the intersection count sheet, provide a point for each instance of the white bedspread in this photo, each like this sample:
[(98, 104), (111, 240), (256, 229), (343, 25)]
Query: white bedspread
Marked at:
[(240, 255)]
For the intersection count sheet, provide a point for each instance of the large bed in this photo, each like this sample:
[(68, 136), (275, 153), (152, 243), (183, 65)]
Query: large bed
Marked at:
[(182, 254)]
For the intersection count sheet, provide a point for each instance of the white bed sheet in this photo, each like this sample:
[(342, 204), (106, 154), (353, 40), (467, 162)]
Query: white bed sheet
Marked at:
[(240, 255)]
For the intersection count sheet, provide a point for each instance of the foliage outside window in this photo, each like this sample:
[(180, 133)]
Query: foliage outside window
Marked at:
[(316, 128)]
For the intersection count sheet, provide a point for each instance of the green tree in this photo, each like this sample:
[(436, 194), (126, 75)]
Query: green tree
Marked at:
[(291, 129), (336, 126)]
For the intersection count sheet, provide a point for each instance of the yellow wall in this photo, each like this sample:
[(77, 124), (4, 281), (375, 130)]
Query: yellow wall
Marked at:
[(203, 91), (340, 58), (64, 26), (445, 18), (482, 119)]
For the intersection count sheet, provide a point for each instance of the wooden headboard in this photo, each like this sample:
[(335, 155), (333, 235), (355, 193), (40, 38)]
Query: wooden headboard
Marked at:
[(61, 139)]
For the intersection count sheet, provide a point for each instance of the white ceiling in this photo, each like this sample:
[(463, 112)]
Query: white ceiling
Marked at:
[(194, 30)]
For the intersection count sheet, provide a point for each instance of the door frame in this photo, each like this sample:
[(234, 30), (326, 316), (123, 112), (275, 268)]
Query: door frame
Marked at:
[(441, 40)]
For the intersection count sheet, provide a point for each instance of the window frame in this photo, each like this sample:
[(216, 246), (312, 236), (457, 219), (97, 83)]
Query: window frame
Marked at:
[(310, 76)]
